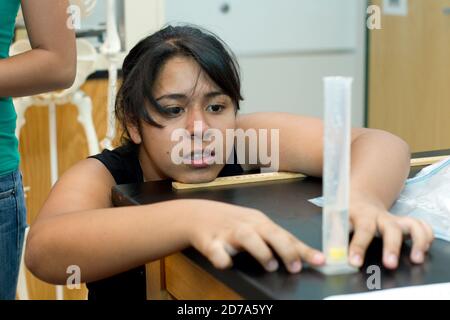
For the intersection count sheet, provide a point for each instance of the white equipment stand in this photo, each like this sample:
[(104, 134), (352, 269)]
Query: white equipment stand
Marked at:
[(86, 58), (111, 50)]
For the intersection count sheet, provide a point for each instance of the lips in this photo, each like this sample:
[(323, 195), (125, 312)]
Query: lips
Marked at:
[(201, 159)]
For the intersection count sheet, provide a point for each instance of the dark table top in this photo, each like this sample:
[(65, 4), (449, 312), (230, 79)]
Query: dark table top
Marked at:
[(286, 202)]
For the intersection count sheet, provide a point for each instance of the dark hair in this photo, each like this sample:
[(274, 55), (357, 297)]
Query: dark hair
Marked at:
[(144, 62)]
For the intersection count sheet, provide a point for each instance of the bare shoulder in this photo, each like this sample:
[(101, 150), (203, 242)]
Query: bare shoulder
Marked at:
[(85, 186)]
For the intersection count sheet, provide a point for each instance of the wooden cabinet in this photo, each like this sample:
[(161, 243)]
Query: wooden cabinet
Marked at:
[(409, 75)]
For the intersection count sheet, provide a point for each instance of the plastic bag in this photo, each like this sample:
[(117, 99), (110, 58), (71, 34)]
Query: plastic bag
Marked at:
[(425, 197)]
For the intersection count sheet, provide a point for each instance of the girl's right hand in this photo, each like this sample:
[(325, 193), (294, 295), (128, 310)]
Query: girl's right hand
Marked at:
[(220, 230)]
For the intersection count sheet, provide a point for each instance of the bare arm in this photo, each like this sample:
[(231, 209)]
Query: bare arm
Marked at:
[(76, 226), (51, 64), (380, 163), (301, 150)]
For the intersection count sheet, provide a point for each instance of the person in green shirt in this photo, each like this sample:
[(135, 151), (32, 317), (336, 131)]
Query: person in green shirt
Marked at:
[(50, 65)]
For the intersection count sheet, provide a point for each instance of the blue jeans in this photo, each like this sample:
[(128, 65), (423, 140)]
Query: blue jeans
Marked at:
[(12, 228)]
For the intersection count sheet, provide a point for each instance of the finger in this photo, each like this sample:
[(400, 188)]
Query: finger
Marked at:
[(310, 255), (420, 238), (429, 230), (230, 249), (392, 242), (279, 240), (218, 255), (290, 249), (362, 237), (252, 242)]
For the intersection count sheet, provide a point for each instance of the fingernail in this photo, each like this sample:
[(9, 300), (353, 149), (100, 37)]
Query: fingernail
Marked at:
[(295, 267), (318, 258), (418, 256), (356, 260), (391, 260), (272, 265)]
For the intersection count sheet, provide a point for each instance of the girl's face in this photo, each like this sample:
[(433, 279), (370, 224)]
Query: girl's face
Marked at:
[(191, 97)]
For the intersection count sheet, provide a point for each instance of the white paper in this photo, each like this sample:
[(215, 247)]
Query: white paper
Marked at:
[(439, 291)]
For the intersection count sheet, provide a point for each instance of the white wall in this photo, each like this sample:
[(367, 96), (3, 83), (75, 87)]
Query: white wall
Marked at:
[(142, 17), (255, 27), (293, 82), (311, 39)]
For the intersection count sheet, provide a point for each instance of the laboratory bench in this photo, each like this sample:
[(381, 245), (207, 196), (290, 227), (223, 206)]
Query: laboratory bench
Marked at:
[(189, 275)]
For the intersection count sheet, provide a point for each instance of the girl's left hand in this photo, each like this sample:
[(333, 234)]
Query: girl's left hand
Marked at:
[(369, 219)]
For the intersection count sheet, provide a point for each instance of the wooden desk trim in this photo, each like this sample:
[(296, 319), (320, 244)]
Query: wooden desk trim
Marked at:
[(177, 277)]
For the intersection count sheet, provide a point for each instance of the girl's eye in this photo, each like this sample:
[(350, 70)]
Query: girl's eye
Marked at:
[(216, 108), (174, 111)]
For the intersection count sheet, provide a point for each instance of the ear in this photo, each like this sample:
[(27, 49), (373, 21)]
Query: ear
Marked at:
[(134, 133)]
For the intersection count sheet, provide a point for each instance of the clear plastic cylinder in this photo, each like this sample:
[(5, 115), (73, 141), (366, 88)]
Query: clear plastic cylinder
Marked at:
[(336, 171)]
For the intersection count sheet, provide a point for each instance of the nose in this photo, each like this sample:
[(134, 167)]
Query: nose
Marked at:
[(196, 122)]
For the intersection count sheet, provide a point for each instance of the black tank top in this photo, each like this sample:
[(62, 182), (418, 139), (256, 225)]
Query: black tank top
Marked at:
[(123, 164)]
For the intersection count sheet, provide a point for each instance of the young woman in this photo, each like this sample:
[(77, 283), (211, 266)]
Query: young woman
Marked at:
[(50, 65), (171, 80)]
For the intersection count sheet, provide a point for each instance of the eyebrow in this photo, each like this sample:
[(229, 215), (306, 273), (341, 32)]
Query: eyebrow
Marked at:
[(181, 96)]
